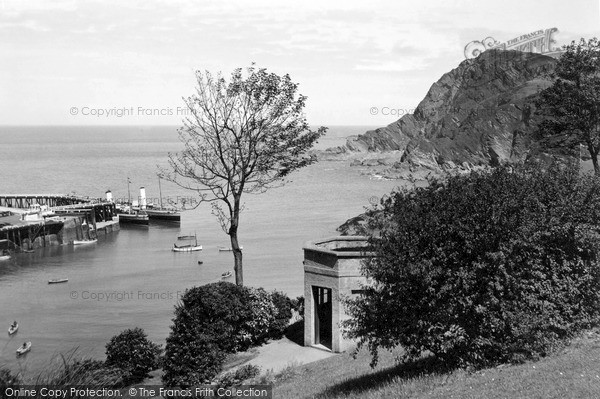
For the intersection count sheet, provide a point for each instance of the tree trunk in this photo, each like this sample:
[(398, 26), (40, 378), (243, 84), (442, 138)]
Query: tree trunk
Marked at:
[(595, 162), (235, 245), (237, 257)]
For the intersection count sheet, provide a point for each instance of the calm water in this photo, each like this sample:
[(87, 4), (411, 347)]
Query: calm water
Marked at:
[(131, 278)]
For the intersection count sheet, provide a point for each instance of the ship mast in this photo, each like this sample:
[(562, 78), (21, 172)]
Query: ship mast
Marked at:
[(128, 194), (160, 193)]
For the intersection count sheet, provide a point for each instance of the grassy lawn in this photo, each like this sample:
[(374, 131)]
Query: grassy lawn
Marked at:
[(572, 373)]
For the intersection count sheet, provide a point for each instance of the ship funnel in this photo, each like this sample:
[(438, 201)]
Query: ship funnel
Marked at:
[(109, 196), (142, 198)]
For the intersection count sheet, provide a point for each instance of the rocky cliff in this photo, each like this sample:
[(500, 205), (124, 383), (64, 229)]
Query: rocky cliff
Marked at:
[(479, 114)]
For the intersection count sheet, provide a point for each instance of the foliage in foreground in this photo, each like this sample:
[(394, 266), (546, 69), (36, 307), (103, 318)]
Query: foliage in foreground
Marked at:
[(216, 319), (68, 371), (133, 353), (483, 269)]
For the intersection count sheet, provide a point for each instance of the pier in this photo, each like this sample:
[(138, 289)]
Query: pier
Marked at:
[(37, 220)]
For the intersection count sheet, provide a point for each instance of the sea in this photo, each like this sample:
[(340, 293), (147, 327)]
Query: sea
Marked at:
[(131, 278)]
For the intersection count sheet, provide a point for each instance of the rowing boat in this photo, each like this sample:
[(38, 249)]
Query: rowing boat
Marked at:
[(58, 280), (83, 242), (24, 349), (227, 249), (186, 248), (13, 329)]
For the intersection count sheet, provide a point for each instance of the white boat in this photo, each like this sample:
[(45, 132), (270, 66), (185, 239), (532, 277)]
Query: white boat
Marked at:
[(58, 280), (226, 274), (83, 242), (24, 349), (188, 248), (13, 329), (4, 257), (227, 249)]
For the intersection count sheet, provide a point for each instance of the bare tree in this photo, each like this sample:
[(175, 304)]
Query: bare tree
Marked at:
[(244, 135)]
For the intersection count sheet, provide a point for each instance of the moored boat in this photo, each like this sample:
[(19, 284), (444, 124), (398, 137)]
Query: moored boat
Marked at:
[(227, 249), (84, 242), (4, 255), (186, 248), (57, 280), (189, 247), (127, 215), (163, 214), (226, 274), (134, 218), (26, 347)]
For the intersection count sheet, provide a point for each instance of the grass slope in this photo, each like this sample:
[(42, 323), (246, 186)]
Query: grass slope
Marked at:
[(572, 373)]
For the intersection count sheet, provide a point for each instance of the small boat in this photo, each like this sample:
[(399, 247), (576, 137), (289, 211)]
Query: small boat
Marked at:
[(28, 251), (58, 280), (226, 274), (188, 248), (4, 255), (200, 262), (24, 349), (227, 249), (13, 329), (83, 242)]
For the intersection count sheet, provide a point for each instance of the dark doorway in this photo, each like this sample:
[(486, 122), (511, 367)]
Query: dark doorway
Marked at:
[(323, 318)]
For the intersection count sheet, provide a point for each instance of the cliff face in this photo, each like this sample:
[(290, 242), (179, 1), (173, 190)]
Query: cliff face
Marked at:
[(479, 114)]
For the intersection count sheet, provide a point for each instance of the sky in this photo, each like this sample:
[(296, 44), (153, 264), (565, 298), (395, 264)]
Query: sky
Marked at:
[(79, 62)]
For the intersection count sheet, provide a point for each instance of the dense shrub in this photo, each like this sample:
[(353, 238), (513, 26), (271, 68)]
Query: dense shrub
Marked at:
[(263, 316), (283, 306), (486, 268), (213, 320), (210, 321), (132, 352)]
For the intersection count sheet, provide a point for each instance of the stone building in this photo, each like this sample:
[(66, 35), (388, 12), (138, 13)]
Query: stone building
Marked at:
[(331, 273)]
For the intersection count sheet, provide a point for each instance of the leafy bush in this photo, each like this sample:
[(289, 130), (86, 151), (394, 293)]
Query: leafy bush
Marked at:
[(283, 306), (216, 319), (298, 305), (209, 322), (485, 268), (132, 352), (263, 316)]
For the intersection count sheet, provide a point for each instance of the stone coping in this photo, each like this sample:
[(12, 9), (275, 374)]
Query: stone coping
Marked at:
[(318, 246)]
